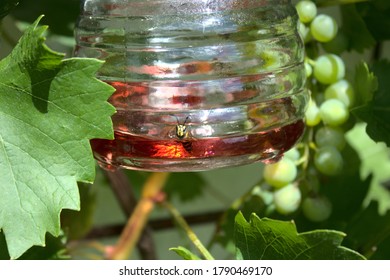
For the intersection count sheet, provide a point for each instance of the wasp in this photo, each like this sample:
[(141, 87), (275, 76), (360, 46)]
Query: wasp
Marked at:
[(182, 134)]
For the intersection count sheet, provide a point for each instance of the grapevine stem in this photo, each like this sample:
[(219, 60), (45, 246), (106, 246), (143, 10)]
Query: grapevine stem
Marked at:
[(190, 233), (150, 195), (123, 191), (310, 61)]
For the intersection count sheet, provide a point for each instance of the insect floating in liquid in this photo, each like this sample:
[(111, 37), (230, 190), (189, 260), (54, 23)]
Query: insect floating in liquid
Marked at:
[(182, 134)]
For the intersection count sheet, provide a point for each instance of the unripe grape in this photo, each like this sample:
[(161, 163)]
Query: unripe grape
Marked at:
[(281, 173), (330, 136), (306, 10), (292, 154), (287, 199), (341, 90), (304, 31), (308, 69), (317, 209), (333, 112), (323, 28), (329, 68), (328, 161), (312, 114)]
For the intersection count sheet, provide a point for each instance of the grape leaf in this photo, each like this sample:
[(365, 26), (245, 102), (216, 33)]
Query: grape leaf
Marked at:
[(383, 251), (368, 229), (376, 112), (185, 253), (55, 249), (355, 29), (375, 161), (376, 14), (365, 84), (266, 239), (49, 110)]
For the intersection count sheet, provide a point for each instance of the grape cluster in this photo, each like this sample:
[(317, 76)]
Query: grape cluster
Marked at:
[(294, 179)]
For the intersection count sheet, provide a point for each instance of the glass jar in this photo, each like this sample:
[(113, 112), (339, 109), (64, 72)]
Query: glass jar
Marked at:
[(200, 84)]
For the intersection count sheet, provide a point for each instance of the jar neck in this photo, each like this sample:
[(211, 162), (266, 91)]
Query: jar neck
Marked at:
[(173, 7)]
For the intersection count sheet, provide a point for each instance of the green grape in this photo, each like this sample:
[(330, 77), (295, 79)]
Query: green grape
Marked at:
[(341, 90), (316, 209), (292, 154), (333, 112), (281, 173), (304, 31), (338, 45), (323, 28), (312, 114), (328, 160), (306, 10), (329, 68), (309, 70), (287, 199), (330, 136)]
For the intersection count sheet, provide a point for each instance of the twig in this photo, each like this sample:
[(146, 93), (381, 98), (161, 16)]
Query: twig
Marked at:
[(136, 223), (123, 191), (182, 222)]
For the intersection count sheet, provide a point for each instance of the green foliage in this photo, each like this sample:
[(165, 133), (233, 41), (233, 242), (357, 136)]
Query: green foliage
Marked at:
[(355, 29), (368, 238), (376, 15), (185, 253), (365, 84), (55, 249), (266, 239), (45, 127), (375, 113)]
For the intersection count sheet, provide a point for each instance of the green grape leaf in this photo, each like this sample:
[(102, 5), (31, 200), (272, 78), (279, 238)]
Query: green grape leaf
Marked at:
[(376, 14), (6, 6), (50, 108), (365, 84), (55, 249), (266, 239), (185, 253), (368, 229), (376, 112), (374, 160), (382, 252), (355, 29)]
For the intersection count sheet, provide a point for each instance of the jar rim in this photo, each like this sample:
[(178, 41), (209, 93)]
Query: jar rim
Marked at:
[(172, 7)]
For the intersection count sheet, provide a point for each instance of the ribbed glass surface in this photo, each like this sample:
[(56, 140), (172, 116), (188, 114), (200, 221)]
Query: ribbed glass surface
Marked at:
[(228, 72)]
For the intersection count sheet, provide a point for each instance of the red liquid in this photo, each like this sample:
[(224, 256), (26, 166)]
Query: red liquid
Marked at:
[(148, 113), (272, 143)]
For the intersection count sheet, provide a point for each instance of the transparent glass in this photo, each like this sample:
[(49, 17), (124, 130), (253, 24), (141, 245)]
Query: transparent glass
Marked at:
[(200, 84)]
